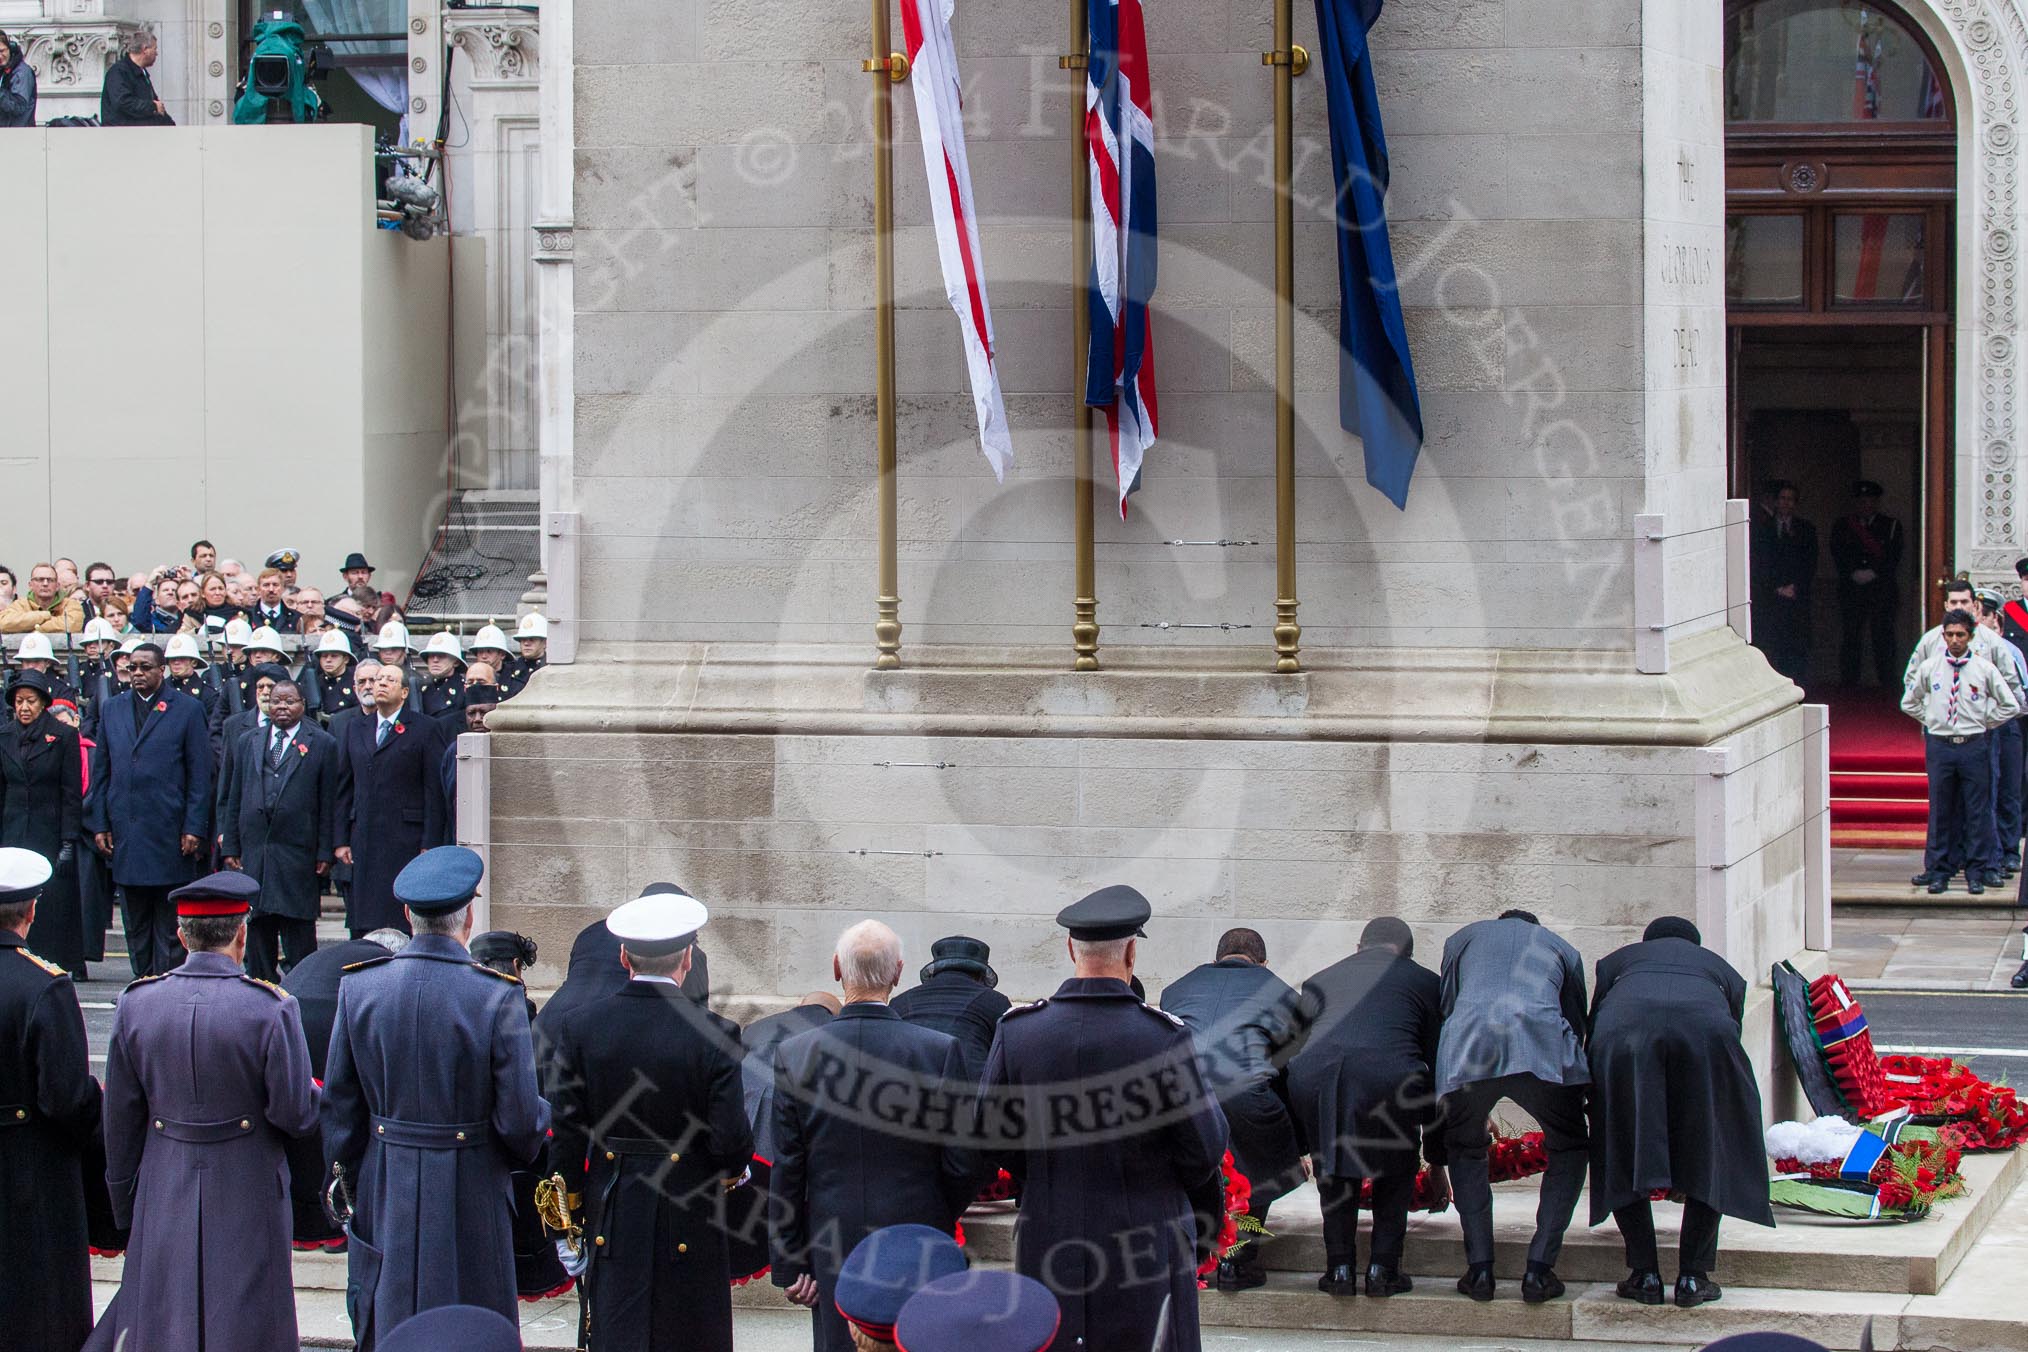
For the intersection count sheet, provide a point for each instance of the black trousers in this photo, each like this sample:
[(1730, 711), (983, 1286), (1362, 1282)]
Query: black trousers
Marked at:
[(1868, 612), (1391, 1196), (1698, 1252), (297, 940), (1468, 1111), (150, 923), (1961, 823)]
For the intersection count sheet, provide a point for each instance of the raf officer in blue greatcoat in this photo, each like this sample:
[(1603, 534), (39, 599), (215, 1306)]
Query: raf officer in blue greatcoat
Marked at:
[(1097, 1102), (153, 813), (430, 1105)]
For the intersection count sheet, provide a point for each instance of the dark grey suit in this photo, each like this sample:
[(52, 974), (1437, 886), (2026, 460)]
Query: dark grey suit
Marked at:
[(1514, 1018), (279, 819)]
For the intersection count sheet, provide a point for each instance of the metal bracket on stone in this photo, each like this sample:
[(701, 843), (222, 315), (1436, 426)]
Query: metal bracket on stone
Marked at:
[(1208, 544), (919, 854), (1185, 624), (915, 765)]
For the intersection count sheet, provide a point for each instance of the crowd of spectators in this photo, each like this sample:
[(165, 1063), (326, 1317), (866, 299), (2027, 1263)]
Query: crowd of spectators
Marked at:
[(205, 715)]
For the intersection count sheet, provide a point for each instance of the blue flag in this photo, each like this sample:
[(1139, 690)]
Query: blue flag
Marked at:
[(1376, 376)]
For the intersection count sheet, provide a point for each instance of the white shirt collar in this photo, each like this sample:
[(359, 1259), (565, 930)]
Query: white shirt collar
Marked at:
[(663, 980)]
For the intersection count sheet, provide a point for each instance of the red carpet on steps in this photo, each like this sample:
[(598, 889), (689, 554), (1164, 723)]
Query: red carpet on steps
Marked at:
[(1879, 793)]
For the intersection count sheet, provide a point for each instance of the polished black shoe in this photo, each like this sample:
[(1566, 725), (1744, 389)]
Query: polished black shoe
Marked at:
[(1645, 1287), (1338, 1280), (1477, 1283), (1975, 885), (1537, 1287), (1937, 885), (1240, 1275), (2020, 981), (1693, 1289), (1926, 877), (1382, 1281)]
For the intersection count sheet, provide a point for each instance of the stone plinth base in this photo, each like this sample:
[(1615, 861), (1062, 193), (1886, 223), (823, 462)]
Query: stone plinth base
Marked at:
[(795, 792)]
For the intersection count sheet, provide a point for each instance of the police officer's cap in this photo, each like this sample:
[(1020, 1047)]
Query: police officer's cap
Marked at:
[(1988, 598), (23, 875), (284, 559), (1116, 912), (889, 1266), (225, 894), (1866, 488), (439, 881), (454, 1328), (662, 922), (979, 1311)]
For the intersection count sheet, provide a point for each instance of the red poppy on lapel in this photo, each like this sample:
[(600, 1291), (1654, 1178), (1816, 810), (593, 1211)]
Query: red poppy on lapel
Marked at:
[(302, 748), (399, 728), (162, 706), (48, 736)]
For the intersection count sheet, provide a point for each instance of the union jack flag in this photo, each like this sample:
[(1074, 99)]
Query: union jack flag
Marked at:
[(1119, 133)]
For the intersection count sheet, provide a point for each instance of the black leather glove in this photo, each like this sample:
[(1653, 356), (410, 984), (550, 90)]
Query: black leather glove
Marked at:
[(67, 854)]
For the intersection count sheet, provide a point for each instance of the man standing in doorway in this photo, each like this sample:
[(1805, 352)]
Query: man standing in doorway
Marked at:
[(1784, 568), (1866, 550)]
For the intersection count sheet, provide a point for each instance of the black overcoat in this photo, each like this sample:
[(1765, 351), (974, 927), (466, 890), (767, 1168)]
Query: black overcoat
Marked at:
[(280, 825), (390, 809), (959, 1004), (1362, 1085), (1097, 1102), (1241, 1018), (842, 1169), (649, 1126), (42, 809), (49, 1127), (1674, 1101)]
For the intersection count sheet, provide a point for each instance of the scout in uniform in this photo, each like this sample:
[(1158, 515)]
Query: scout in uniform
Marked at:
[(1959, 696), (1112, 1189), (647, 1173)]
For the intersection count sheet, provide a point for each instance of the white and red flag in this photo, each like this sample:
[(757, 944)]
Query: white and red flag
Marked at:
[(933, 63)]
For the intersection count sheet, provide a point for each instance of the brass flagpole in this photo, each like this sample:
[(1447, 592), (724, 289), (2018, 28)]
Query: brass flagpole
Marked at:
[(1084, 629), (888, 68), (1288, 61)]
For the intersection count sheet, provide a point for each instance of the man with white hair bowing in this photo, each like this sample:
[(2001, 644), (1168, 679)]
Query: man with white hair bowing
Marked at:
[(869, 1130)]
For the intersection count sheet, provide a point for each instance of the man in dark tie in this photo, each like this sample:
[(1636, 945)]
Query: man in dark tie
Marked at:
[(154, 815), (277, 815), (1784, 569), (390, 800), (273, 609)]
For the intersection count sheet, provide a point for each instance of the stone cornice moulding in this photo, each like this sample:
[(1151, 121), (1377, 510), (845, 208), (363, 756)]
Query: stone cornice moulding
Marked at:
[(72, 56), (503, 45), (1716, 685)]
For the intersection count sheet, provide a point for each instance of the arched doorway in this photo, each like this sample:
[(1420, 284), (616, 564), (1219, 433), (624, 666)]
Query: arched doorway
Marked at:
[(1841, 177)]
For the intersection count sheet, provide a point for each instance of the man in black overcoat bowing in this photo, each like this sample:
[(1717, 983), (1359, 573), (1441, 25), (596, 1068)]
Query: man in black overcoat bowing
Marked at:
[(846, 1162), (1364, 1096), (650, 1132), (49, 1126), (1675, 1106), (278, 818), (390, 800)]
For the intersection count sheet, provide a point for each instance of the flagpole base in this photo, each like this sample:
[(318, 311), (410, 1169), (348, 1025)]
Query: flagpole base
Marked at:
[(887, 635), (1288, 637), (1084, 634)]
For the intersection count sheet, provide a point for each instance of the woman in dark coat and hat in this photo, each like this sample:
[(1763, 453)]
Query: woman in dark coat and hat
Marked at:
[(42, 809), (1675, 1107)]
